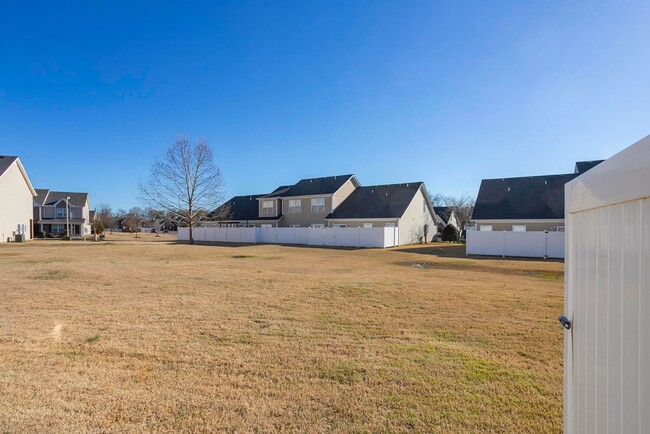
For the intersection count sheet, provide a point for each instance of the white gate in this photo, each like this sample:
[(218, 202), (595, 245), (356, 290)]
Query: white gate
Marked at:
[(607, 296)]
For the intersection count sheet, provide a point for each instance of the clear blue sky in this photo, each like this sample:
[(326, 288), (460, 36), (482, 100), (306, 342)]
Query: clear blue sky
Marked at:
[(444, 92)]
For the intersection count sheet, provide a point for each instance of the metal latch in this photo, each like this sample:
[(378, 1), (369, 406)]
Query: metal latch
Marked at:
[(565, 322)]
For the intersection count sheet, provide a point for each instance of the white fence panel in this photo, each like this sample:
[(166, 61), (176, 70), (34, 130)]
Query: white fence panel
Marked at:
[(315, 237), (344, 237), (485, 243), (555, 245), (607, 296), (302, 235), (329, 237), (268, 235), (391, 237), (532, 244), (183, 234), (286, 235), (526, 244)]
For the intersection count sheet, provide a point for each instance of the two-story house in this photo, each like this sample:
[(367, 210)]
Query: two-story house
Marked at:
[(53, 210), (336, 201), (17, 195), (307, 202)]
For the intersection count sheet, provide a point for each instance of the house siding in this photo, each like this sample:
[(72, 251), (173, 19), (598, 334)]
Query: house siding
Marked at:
[(15, 192), (412, 222), (359, 223), (275, 207), (342, 193), (305, 218), (534, 226)]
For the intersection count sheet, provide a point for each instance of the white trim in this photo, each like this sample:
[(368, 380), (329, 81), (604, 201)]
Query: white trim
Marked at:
[(510, 221), (388, 219), (22, 172), (622, 178)]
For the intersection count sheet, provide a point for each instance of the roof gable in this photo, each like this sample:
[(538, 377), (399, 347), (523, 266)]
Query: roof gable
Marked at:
[(52, 197), (443, 212), (525, 198), (312, 186), (6, 161), (379, 201), (583, 166)]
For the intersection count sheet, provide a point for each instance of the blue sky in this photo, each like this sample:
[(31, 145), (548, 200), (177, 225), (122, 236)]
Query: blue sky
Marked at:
[(443, 92)]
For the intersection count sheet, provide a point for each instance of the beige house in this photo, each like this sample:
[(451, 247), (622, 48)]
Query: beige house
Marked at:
[(17, 195), (56, 212), (529, 203), (336, 201)]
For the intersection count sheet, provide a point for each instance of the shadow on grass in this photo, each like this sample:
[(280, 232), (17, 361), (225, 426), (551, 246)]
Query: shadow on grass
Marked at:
[(301, 246), (450, 250)]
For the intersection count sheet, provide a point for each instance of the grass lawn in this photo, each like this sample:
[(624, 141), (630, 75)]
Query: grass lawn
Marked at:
[(134, 335)]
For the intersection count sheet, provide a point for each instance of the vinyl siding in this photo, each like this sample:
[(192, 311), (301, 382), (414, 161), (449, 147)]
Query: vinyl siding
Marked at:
[(305, 217), (16, 193), (342, 193), (416, 216), (537, 226)]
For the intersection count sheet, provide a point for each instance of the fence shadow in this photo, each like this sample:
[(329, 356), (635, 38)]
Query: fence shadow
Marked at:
[(451, 250)]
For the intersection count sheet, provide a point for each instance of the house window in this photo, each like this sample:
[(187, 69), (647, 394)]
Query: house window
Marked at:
[(340, 226), (58, 229), (295, 206), (518, 228), (389, 225), (318, 204), (560, 228), (294, 226), (266, 226), (60, 213), (317, 225), (485, 228), (267, 207), (367, 225)]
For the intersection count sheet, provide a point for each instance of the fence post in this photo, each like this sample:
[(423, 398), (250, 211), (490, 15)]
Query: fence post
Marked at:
[(504, 244), (545, 244)]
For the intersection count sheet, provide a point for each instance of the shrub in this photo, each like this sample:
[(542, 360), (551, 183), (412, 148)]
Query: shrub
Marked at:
[(450, 233), (98, 227), (49, 235)]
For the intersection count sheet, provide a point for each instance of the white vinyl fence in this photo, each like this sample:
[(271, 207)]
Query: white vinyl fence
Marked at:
[(532, 244), (607, 296), (342, 237)]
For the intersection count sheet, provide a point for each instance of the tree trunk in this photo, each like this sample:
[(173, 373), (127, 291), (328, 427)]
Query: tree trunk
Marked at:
[(191, 237)]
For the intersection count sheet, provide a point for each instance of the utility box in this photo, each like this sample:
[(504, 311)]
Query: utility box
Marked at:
[(607, 296), (19, 238)]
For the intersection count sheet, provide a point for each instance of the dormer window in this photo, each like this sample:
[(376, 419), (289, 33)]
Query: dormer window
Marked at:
[(318, 205), (295, 206), (267, 207), (60, 213)]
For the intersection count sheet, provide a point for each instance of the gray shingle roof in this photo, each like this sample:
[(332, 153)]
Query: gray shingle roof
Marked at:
[(531, 197), (48, 197), (242, 208), (311, 186), (5, 162), (583, 166), (379, 201), (444, 212)]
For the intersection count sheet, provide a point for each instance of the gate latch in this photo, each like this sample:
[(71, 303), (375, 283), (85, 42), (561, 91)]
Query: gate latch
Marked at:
[(565, 322)]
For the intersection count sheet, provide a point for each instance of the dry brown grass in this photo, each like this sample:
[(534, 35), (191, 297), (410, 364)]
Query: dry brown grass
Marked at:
[(137, 335)]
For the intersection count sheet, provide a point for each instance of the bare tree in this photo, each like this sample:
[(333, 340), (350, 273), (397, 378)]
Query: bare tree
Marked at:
[(105, 215), (185, 182), (134, 218), (462, 206)]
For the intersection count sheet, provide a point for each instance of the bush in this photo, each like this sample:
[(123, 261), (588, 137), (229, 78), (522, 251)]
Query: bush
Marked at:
[(450, 233), (49, 235), (98, 227)]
